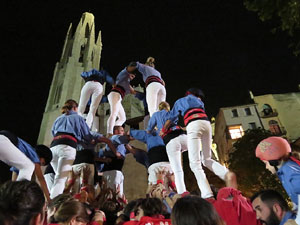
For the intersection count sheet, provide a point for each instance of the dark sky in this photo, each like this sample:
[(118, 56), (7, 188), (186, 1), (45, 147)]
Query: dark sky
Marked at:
[(217, 46)]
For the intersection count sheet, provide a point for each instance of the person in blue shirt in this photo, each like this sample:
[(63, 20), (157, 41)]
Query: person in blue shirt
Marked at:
[(112, 170), (93, 88), (199, 137), (24, 159), (67, 130), (277, 154), (156, 151), (271, 208), (155, 86), (118, 92), (175, 140)]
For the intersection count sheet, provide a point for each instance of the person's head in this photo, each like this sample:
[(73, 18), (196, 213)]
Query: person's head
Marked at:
[(196, 92), (130, 207), (272, 151), (22, 202), (164, 105), (72, 212), (151, 207), (150, 62), (118, 130), (44, 154), (54, 205), (270, 206), (69, 105), (194, 210)]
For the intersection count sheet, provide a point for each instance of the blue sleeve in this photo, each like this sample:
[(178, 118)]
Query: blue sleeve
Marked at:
[(108, 78), (84, 130), (175, 111), (87, 74), (119, 139), (140, 135), (151, 123), (28, 150), (141, 67), (122, 76), (295, 181), (121, 149)]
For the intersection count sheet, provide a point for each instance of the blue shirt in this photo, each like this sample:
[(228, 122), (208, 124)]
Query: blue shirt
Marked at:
[(289, 175), (123, 80), (102, 74), (184, 104), (28, 150), (72, 124), (119, 141), (158, 119), (288, 215), (149, 139), (147, 71)]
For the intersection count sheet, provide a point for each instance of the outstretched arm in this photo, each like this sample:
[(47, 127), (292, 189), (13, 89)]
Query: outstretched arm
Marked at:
[(39, 174)]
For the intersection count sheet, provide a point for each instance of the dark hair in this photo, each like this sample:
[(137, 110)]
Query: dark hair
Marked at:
[(151, 206), (44, 152), (21, 201), (70, 209), (130, 207), (68, 106), (270, 197), (196, 92), (194, 210)]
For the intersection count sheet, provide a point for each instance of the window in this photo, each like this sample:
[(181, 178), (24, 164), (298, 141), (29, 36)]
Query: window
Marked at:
[(248, 111), (234, 113), (267, 109), (236, 131), (274, 127), (252, 126)]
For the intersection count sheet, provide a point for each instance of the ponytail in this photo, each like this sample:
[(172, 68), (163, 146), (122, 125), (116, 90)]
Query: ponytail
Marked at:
[(69, 105)]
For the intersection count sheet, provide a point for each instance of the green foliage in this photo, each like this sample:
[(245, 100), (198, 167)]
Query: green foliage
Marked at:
[(251, 173), (285, 14)]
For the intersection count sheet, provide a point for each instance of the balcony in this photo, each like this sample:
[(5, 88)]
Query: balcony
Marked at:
[(267, 113)]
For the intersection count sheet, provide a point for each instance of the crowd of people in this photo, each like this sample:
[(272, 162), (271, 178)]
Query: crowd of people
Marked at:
[(83, 181)]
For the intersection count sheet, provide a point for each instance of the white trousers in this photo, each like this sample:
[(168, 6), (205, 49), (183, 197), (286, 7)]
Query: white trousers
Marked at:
[(199, 133), (174, 149), (63, 157), (78, 170), (90, 89), (154, 168), (12, 156), (155, 94), (116, 110), (115, 180)]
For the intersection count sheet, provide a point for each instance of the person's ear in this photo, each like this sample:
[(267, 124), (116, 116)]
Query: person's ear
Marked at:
[(73, 221), (277, 210)]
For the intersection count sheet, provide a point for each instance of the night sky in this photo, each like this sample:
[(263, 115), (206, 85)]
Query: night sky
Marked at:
[(217, 46)]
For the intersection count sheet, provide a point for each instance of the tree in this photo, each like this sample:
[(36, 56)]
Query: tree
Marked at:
[(284, 14), (251, 172)]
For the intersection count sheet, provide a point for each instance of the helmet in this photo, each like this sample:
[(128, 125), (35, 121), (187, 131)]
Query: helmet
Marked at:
[(195, 91), (272, 148)]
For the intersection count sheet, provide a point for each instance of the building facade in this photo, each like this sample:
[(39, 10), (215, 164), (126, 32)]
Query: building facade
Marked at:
[(230, 125), (280, 114)]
